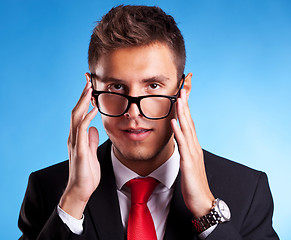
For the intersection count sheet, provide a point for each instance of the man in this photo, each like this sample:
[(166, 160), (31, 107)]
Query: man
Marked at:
[(136, 60)]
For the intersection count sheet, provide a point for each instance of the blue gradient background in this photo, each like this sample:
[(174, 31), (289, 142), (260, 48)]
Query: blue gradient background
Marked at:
[(238, 51)]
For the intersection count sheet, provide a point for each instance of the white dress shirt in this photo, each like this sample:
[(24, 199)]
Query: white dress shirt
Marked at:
[(158, 203)]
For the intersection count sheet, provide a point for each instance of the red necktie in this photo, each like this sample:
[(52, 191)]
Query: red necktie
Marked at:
[(140, 222)]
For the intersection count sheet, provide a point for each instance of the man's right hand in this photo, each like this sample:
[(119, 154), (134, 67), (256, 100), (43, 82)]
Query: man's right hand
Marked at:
[(84, 168)]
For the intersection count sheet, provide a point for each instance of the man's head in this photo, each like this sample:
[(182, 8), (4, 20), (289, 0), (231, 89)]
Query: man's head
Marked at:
[(132, 26), (138, 51)]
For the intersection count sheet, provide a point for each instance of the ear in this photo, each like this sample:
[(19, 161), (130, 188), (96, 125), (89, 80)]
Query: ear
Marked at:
[(88, 76), (187, 84), (88, 79), (93, 102)]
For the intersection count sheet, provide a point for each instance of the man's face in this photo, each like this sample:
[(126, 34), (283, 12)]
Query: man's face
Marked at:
[(139, 71)]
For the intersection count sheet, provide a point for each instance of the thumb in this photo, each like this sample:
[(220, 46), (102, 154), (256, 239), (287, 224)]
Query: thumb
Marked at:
[(93, 139)]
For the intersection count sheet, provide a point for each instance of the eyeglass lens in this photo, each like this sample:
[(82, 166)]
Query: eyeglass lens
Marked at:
[(152, 107)]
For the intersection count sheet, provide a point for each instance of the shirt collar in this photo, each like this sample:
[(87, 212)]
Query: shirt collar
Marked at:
[(166, 173)]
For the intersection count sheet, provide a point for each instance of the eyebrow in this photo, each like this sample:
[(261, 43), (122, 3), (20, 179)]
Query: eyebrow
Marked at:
[(158, 78)]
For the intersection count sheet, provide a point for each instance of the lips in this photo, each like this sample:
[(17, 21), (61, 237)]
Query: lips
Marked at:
[(137, 131), (139, 134)]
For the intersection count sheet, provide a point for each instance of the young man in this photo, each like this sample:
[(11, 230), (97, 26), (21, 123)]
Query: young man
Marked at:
[(136, 60)]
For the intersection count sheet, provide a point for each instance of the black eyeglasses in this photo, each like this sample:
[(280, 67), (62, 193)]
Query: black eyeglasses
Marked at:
[(153, 107)]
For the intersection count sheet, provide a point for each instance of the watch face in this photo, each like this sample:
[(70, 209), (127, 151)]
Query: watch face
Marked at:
[(223, 209)]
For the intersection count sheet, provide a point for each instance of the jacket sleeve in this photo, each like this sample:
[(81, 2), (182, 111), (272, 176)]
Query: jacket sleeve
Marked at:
[(257, 223), (36, 219)]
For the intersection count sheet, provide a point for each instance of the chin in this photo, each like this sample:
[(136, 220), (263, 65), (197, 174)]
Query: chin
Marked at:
[(135, 153), (138, 152)]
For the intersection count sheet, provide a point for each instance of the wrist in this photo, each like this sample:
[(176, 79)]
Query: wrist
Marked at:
[(199, 210), (72, 205)]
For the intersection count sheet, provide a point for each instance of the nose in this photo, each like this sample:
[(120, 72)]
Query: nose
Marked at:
[(133, 111)]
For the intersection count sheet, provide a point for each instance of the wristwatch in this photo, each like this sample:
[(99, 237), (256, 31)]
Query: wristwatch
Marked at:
[(218, 214)]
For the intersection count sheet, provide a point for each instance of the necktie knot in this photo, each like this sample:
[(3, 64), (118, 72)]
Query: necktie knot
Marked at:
[(141, 189)]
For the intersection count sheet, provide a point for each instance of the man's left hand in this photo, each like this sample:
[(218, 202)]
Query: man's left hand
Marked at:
[(195, 189)]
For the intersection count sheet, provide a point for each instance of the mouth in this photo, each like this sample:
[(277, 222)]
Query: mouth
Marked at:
[(137, 131), (139, 134)]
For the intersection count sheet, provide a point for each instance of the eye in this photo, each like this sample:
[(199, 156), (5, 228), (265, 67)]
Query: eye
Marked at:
[(115, 87), (154, 86)]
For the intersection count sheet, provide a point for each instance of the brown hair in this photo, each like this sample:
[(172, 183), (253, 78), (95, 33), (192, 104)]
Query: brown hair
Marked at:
[(128, 26)]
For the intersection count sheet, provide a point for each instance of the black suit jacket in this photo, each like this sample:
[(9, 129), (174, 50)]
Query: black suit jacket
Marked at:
[(246, 192)]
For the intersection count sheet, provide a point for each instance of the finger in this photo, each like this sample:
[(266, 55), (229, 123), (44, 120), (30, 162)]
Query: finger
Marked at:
[(83, 93), (93, 140), (80, 111), (189, 118), (184, 124), (85, 90), (181, 141), (187, 110), (82, 136)]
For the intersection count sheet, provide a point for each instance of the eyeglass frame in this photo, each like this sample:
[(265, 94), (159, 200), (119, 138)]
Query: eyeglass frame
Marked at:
[(136, 100)]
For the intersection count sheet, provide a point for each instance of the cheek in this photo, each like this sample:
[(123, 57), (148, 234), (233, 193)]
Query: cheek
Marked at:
[(165, 124), (109, 124), (173, 113), (164, 127)]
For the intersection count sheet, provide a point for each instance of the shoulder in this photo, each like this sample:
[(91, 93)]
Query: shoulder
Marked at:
[(57, 170), (233, 180), (236, 184), (47, 185), (220, 166), (55, 177), (61, 170)]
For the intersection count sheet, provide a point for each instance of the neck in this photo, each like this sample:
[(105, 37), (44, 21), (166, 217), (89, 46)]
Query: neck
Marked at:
[(144, 167)]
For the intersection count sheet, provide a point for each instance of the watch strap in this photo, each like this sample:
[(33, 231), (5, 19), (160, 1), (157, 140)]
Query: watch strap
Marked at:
[(205, 222)]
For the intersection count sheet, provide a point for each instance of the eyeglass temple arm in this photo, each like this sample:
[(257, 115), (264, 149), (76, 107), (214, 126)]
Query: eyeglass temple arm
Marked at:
[(183, 77), (182, 86), (91, 79)]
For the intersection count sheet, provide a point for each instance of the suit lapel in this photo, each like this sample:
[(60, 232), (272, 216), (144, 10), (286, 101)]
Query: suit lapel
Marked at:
[(103, 204), (179, 222)]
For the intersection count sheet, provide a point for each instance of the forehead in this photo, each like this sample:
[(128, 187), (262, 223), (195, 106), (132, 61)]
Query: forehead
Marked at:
[(136, 63)]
